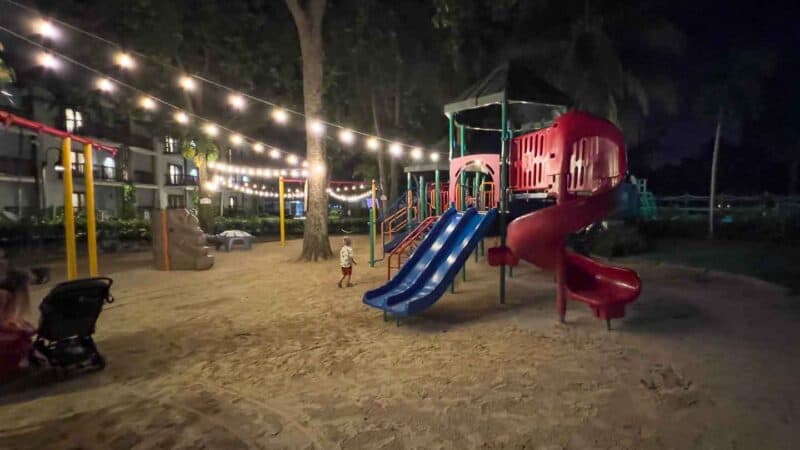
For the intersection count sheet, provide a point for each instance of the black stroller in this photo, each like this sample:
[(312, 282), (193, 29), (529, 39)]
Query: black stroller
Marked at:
[(68, 316)]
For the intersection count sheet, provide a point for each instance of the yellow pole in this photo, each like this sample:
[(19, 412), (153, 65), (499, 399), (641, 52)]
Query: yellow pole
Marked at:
[(69, 212), (282, 211), (91, 226)]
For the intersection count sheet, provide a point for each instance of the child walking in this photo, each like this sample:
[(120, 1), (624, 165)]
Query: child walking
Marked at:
[(347, 261)]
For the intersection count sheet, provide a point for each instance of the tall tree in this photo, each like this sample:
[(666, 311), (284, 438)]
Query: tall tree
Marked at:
[(308, 17)]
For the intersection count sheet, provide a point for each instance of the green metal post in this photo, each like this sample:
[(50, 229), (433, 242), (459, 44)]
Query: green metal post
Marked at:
[(476, 196), (462, 134), (372, 220), (451, 145), (423, 207), (437, 192), (503, 186)]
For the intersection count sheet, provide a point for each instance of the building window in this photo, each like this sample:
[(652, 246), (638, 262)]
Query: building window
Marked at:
[(176, 201), (171, 145), (109, 167), (78, 163), (175, 173), (78, 200), (73, 120)]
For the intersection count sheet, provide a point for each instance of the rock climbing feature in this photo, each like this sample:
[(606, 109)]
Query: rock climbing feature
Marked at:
[(178, 241)]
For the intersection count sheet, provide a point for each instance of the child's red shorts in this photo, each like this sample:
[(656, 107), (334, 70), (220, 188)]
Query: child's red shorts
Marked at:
[(347, 270)]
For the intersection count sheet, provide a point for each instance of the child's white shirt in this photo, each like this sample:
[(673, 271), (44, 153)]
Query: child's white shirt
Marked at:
[(346, 256)]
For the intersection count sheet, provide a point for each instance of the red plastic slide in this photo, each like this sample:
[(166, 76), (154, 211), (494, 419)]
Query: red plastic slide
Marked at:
[(584, 164)]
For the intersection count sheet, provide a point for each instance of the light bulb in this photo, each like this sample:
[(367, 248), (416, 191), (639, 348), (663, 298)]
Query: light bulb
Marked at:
[(373, 143), (396, 149), (292, 159), (280, 116), (236, 139), (346, 137), (237, 101), (416, 153), (187, 83), (124, 60), (435, 157), (104, 85), (47, 60), (211, 129), (45, 29), (258, 147), (317, 127), (275, 153), (147, 103)]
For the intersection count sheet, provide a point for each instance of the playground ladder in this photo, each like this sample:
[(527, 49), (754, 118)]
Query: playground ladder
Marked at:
[(408, 244)]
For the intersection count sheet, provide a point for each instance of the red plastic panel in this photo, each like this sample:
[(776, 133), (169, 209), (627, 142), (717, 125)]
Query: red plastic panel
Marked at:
[(593, 165), (531, 158)]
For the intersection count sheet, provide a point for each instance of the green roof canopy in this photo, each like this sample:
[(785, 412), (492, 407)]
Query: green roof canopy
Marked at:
[(532, 102)]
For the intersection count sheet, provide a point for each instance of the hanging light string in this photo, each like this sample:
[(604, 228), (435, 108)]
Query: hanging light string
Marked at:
[(51, 58), (348, 198), (238, 98)]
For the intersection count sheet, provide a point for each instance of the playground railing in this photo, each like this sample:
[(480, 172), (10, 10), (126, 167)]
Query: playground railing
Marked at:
[(408, 243), (394, 223)]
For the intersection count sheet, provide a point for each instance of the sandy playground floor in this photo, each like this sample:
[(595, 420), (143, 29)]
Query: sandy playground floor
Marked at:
[(263, 352)]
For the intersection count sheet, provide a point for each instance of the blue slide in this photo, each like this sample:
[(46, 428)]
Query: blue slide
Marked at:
[(433, 266)]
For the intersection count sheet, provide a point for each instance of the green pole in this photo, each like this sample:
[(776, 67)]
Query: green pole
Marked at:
[(451, 143), (422, 204), (437, 192), (503, 181), (462, 133), (372, 220), (410, 203), (476, 195)]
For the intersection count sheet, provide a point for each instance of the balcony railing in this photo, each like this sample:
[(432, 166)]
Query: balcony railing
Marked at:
[(143, 177), (101, 173), (17, 166), (180, 179)]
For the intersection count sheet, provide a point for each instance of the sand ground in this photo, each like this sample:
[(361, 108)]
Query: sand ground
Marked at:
[(264, 352)]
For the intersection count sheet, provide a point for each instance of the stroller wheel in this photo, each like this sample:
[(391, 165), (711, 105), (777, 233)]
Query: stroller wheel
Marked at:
[(98, 362)]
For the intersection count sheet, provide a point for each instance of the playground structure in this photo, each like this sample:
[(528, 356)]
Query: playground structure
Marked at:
[(178, 241), (89, 145), (565, 167)]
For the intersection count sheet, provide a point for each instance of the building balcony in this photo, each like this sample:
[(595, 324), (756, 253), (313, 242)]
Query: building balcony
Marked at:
[(101, 173), (120, 134), (181, 180), (17, 167), (143, 177)]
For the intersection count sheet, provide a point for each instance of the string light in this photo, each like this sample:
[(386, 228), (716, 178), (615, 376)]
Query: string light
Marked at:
[(187, 83), (181, 117), (124, 60), (280, 116), (373, 143), (396, 149), (211, 129), (258, 147), (147, 103), (348, 198), (47, 60), (292, 159), (236, 139), (346, 136), (237, 101), (104, 85), (317, 127), (275, 153), (416, 153), (45, 29), (319, 168), (435, 157)]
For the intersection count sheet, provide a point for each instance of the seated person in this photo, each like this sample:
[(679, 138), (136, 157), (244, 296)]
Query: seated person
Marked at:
[(15, 332)]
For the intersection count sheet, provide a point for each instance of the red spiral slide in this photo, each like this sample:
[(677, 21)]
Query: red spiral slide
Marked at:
[(579, 161)]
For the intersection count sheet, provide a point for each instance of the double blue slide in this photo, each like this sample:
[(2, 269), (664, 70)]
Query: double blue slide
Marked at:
[(424, 278)]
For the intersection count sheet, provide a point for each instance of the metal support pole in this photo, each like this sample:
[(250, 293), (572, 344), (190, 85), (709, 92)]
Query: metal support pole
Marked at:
[(438, 192), (422, 204), (451, 144), (91, 225), (282, 210), (410, 201), (373, 217), (503, 187), (69, 211), (462, 139)]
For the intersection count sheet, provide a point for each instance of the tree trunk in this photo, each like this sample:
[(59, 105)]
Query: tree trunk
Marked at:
[(794, 174), (379, 153), (713, 187), (308, 21)]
